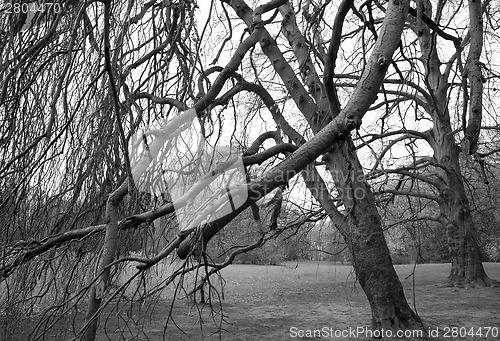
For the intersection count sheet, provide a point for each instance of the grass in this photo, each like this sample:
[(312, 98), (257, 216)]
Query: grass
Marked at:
[(265, 302), (276, 302)]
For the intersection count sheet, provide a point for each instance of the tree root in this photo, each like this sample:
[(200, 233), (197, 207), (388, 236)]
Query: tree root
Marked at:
[(481, 282), (395, 321)]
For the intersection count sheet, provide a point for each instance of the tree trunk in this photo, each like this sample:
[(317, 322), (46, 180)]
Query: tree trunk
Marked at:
[(361, 226), (109, 249), (94, 304), (466, 268), (363, 231), (364, 235), (466, 265)]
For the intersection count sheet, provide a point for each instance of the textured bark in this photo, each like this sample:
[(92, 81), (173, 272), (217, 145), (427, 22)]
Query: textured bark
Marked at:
[(467, 268), (364, 235), (382, 287), (361, 227), (466, 265), (362, 231), (474, 74)]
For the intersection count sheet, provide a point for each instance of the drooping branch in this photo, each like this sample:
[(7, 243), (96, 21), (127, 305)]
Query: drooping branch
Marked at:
[(32, 53), (422, 97), (62, 77), (438, 219), (24, 251), (171, 37), (264, 8)]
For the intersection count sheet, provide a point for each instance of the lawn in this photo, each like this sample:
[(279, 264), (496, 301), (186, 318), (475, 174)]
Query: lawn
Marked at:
[(280, 302)]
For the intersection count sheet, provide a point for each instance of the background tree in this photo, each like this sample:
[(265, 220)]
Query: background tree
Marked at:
[(446, 92)]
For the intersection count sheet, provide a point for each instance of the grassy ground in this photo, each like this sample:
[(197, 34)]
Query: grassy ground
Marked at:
[(281, 302), (276, 302)]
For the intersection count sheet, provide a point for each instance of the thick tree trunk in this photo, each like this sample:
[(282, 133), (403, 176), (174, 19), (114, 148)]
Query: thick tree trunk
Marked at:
[(466, 268), (376, 273), (466, 265), (364, 234), (361, 226)]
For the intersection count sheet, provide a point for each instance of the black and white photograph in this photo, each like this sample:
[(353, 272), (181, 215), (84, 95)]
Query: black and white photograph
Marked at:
[(240, 170)]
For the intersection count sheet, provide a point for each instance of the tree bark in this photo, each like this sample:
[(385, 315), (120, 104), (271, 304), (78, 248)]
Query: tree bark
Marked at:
[(466, 264), (467, 268), (361, 226), (364, 235)]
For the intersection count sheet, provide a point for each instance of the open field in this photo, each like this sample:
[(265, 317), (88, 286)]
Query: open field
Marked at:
[(265, 302), (279, 302)]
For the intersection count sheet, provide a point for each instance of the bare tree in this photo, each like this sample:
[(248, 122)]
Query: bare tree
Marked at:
[(447, 90), (319, 104), (81, 81)]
